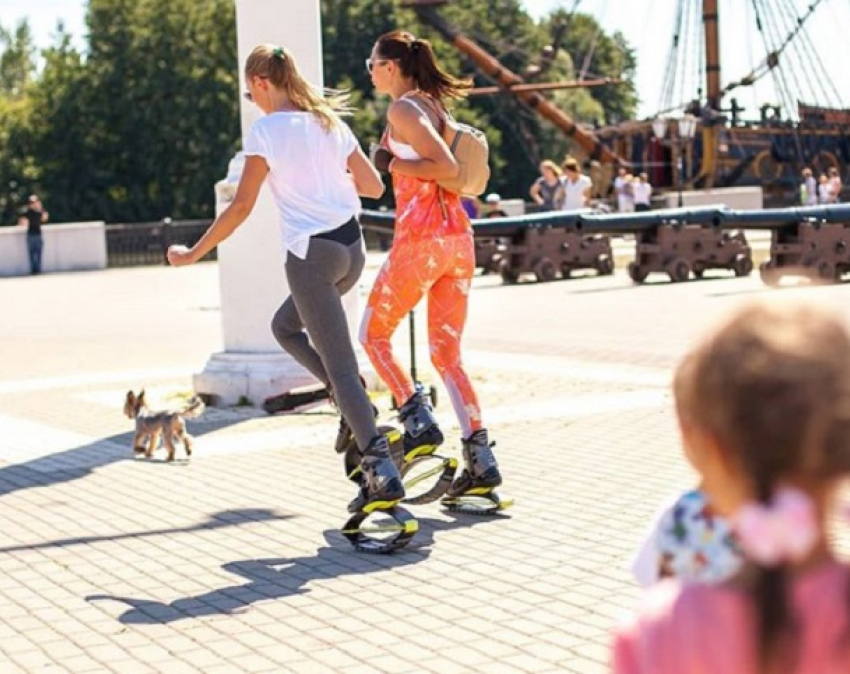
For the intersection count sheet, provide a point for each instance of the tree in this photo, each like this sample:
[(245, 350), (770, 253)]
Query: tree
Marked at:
[(141, 123), (17, 60)]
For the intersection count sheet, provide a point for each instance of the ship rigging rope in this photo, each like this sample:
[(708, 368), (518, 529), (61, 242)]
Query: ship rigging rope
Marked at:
[(775, 44), (812, 64), (688, 52), (793, 86), (771, 41), (669, 82), (594, 41)]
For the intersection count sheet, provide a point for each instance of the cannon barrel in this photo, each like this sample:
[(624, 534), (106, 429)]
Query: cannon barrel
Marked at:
[(771, 218), (614, 223)]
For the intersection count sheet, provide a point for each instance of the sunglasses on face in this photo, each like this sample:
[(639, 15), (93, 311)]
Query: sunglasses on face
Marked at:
[(371, 63), (247, 95)]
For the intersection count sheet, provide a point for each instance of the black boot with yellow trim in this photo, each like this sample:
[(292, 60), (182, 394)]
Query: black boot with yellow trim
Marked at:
[(381, 490), (473, 491), (422, 436)]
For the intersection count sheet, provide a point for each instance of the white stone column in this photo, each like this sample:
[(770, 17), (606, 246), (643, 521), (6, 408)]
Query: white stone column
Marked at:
[(253, 283)]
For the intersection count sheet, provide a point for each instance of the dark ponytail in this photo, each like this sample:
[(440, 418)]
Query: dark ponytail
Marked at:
[(774, 618), (417, 61)]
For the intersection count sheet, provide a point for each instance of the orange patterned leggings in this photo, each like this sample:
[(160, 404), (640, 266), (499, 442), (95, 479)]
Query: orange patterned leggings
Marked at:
[(443, 268)]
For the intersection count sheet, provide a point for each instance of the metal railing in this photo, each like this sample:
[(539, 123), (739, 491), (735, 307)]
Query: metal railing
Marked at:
[(145, 243)]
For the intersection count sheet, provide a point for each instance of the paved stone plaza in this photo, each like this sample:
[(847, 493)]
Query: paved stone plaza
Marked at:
[(233, 561)]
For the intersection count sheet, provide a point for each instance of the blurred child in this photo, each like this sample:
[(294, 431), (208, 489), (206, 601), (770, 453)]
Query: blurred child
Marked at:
[(763, 404)]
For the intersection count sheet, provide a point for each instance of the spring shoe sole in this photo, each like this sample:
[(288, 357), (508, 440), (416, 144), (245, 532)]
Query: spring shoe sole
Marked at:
[(384, 538), (485, 502)]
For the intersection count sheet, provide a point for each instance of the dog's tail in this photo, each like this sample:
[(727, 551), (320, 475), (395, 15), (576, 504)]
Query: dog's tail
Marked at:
[(195, 409)]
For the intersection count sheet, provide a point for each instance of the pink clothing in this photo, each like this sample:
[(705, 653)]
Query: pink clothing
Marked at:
[(706, 629)]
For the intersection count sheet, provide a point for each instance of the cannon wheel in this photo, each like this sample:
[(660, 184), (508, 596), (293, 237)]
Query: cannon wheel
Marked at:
[(637, 273), (605, 266), (508, 274), (826, 271), (698, 270), (679, 270), (544, 270), (742, 266)]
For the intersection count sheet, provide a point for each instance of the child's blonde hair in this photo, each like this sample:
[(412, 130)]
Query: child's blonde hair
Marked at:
[(772, 385), (277, 65)]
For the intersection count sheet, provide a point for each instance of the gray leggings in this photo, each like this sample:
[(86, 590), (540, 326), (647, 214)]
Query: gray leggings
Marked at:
[(317, 284)]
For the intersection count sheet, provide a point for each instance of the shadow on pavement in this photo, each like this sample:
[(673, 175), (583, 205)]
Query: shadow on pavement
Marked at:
[(67, 465), (226, 518), (78, 462), (279, 578)]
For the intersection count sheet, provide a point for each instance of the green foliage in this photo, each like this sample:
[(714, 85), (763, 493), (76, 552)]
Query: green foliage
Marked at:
[(141, 124)]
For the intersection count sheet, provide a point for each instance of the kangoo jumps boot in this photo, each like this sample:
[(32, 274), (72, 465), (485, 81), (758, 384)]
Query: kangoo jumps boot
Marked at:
[(481, 472), (421, 433), (381, 485)]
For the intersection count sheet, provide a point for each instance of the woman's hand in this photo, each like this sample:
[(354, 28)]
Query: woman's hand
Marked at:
[(179, 256)]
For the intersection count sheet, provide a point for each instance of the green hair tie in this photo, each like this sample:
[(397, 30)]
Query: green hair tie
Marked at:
[(278, 51)]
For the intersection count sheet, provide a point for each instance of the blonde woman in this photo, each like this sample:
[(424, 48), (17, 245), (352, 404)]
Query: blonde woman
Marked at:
[(316, 170), (548, 190)]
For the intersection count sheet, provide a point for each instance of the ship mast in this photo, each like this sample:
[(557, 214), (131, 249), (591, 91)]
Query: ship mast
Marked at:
[(710, 20), (509, 80)]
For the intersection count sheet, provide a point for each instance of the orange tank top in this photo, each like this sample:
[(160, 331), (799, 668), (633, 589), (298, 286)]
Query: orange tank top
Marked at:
[(423, 209)]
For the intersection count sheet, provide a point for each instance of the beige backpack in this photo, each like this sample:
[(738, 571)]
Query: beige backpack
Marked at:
[(471, 151)]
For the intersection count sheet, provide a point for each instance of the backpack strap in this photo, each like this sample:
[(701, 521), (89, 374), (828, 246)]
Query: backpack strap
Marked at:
[(430, 103)]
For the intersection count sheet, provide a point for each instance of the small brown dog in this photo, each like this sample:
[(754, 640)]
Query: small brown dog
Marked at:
[(168, 423)]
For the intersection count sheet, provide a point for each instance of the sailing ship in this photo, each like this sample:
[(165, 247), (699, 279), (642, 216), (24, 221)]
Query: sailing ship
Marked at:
[(723, 148)]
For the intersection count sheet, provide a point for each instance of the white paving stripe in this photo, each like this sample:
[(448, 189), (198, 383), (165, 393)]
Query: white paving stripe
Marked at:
[(44, 383), (573, 407), (48, 448), (565, 367)]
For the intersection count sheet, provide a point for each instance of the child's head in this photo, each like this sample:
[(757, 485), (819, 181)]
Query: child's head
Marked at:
[(769, 392), (764, 404)]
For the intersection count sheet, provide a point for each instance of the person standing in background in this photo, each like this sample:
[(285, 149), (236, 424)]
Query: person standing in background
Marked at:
[(472, 206), (809, 189), (623, 191), (641, 193), (34, 217), (834, 185), (548, 190), (577, 186)]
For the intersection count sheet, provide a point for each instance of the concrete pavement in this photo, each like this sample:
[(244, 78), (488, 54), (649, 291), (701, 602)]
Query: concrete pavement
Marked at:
[(233, 562)]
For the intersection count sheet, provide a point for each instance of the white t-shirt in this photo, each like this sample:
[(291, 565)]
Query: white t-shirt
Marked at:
[(811, 191), (623, 190), (308, 174), (574, 193), (642, 192)]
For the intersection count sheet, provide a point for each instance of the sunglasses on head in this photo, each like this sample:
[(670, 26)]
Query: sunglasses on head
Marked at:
[(371, 63)]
